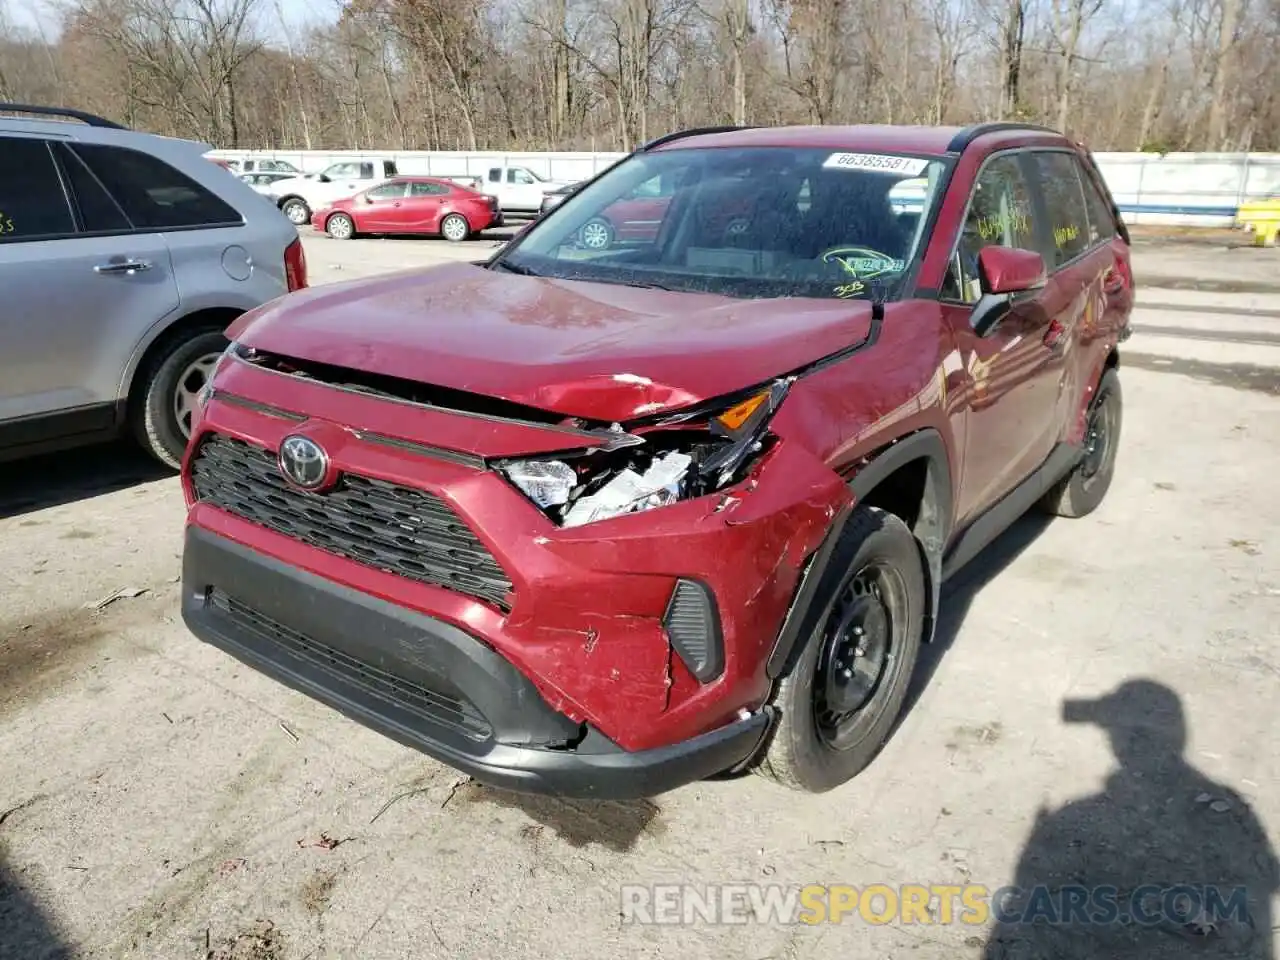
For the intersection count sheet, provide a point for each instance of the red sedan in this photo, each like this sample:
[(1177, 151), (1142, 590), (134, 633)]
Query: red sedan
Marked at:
[(411, 205)]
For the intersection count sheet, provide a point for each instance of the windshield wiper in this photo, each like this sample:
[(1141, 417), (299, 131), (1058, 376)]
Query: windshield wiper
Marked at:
[(515, 268), (643, 284)]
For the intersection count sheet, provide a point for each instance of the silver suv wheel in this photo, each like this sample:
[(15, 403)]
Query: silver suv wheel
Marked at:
[(193, 379)]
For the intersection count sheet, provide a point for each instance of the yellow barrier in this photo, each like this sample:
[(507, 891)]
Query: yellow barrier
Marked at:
[(1262, 217)]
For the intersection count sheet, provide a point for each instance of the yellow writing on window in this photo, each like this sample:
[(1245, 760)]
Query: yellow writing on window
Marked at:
[(849, 289), (6, 225), (1064, 235), (1007, 221)]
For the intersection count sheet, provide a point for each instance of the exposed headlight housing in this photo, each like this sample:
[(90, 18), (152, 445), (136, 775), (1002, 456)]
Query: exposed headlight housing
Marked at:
[(710, 450), (206, 392)]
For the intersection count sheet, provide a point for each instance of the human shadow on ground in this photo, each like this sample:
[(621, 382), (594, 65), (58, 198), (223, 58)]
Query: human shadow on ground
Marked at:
[(26, 930), (1162, 863)]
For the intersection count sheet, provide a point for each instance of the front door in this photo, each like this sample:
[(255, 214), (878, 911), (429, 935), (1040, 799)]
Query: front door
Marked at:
[(381, 209), (1008, 384), (524, 192)]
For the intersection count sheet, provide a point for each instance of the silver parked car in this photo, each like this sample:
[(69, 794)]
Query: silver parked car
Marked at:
[(123, 258)]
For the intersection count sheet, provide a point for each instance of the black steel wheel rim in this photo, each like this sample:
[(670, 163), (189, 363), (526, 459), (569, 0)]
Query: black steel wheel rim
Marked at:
[(1098, 438), (860, 646)]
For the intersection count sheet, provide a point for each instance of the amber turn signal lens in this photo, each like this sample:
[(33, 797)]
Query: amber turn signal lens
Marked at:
[(737, 415)]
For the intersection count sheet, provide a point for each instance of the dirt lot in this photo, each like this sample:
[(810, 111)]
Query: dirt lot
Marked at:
[(159, 800)]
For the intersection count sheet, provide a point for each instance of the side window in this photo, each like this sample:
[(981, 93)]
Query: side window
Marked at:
[(427, 190), (1059, 180), (495, 174), (389, 169), (152, 194), (516, 175), (388, 191), (340, 171), (98, 211), (32, 202), (1102, 224), (1000, 214), (366, 171)]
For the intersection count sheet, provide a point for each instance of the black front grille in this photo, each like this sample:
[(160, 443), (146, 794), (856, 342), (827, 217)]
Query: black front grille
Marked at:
[(389, 527), (451, 711)]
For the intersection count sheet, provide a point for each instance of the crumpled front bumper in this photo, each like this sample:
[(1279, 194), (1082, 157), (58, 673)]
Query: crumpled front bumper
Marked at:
[(425, 683), (583, 630)]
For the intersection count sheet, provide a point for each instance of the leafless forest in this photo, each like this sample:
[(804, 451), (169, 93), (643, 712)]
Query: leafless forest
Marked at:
[(1157, 75)]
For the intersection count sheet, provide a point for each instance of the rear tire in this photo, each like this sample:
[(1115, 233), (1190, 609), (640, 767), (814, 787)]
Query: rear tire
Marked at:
[(455, 228), (161, 417), (340, 227), (838, 701), (1082, 490)]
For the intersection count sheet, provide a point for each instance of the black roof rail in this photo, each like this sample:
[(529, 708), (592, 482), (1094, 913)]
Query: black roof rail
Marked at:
[(694, 132), (976, 130), (88, 118)]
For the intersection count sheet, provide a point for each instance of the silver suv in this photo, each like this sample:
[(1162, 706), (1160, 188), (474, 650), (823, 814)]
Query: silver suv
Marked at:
[(123, 258)]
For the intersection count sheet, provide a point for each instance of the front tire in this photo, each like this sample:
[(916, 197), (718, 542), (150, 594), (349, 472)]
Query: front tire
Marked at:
[(296, 209), (171, 384), (1082, 490), (838, 701), (455, 228), (340, 227), (596, 235)]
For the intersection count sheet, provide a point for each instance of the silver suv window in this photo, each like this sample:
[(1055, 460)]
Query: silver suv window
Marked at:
[(33, 205), (152, 194)]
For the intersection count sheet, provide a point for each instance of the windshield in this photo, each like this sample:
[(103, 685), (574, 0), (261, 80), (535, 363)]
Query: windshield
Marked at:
[(757, 222)]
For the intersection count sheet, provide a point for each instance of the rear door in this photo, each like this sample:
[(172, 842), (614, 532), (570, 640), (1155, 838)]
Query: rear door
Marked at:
[(638, 215), (1086, 295), (424, 206), (1009, 391), (81, 284)]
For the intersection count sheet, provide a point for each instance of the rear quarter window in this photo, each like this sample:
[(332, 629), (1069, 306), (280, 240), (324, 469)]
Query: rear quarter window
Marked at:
[(152, 194), (1057, 175), (1102, 223)]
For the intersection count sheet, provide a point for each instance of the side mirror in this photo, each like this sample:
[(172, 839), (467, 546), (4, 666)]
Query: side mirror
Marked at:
[(1004, 273), (367, 199), (322, 177)]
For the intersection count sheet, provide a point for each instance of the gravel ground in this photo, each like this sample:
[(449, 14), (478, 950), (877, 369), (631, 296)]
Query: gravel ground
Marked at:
[(159, 800)]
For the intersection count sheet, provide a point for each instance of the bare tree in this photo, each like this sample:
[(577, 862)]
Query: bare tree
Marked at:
[(606, 74)]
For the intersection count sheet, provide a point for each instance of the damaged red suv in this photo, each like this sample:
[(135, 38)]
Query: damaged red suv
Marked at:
[(602, 522)]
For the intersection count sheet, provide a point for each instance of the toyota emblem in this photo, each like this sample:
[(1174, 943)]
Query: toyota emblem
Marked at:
[(303, 462)]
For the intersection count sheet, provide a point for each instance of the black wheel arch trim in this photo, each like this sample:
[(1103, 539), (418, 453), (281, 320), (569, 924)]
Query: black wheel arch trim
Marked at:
[(931, 532)]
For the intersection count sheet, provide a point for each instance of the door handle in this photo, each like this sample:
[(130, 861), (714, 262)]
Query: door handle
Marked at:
[(127, 267)]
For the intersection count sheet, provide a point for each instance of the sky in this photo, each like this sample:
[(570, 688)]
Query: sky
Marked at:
[(42, 15)]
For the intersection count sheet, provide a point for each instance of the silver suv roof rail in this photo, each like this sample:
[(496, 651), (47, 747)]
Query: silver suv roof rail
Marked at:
[(88, 118)]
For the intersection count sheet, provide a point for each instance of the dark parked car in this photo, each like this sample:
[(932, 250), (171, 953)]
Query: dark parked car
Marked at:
[(602, 522)]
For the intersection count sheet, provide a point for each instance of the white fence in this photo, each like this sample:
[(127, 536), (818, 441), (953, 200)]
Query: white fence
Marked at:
[(1195, 189)]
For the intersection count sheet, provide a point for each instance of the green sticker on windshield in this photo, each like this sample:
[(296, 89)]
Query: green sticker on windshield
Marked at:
[(861, 263)]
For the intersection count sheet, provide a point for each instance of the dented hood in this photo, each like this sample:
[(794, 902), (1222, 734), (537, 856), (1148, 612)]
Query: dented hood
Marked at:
[(592, 350)]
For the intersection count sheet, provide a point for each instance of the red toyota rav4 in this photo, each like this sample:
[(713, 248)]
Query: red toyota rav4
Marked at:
[(604, 522)]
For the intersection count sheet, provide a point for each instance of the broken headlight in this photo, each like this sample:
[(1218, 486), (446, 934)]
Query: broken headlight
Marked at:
[(685, 455), (206, 391)]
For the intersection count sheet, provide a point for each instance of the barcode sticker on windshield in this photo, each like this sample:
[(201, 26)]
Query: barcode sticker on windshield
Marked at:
[(881, 162)]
